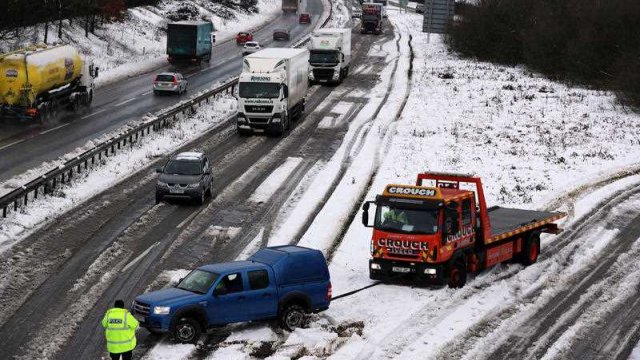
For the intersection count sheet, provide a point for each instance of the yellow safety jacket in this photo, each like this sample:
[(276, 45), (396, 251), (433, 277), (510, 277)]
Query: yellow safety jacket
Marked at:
[(120, 330)]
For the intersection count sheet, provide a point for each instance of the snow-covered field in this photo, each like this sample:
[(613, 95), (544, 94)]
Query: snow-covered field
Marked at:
[(530, 139), (138, 43)]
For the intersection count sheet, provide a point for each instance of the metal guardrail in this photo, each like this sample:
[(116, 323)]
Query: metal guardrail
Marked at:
[(47, 183)]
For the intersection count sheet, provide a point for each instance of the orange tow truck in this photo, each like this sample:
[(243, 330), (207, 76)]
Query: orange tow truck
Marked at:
[(440, 230)]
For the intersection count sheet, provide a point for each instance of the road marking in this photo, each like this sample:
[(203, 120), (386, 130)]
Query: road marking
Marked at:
[(95, 113), (134, 261), (13, 143), (53, 129), (146, 92), (124, 102)]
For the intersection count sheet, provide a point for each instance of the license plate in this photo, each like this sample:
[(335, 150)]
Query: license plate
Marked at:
[(176, 191), (400, 269)]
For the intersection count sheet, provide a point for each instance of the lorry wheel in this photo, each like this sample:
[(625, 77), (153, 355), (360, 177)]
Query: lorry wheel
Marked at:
[(457, 275), (186, 331), (531, 251), (293, 317)]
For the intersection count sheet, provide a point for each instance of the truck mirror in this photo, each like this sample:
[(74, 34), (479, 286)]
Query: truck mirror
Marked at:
[(159, 170), (365, 214), (285, 91), (95, 72)]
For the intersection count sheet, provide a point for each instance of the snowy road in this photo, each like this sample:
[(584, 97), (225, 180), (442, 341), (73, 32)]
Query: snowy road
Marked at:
[(115, 245), (119, 103)]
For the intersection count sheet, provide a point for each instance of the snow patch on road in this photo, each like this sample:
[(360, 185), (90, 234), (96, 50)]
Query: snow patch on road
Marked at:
[(278, 177)]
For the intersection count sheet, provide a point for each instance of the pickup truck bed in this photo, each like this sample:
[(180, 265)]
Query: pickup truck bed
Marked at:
[(506, 222)]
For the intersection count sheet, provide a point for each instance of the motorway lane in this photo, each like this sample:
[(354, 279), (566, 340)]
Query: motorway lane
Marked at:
[(126, 100), (122, 223)]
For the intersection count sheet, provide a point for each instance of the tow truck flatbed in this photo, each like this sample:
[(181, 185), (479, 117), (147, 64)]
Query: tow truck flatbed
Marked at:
[(506, 222)]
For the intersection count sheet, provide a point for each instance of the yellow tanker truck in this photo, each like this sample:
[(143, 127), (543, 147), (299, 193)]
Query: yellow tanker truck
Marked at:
[(37, 82)]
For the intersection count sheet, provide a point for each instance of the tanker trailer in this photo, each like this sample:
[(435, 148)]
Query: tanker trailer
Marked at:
[(37, 82)]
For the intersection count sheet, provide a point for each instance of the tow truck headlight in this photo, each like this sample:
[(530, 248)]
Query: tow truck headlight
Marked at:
[(161, 310), (375, 266), (430, 271)]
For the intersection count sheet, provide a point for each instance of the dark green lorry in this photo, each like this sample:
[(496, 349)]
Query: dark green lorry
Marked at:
[(189, 41)]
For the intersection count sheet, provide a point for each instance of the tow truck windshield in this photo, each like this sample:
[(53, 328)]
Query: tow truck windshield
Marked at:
[(409, 221), (198, 281)]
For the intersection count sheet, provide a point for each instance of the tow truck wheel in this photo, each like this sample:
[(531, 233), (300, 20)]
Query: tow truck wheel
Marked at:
[(293, 317), (532, 250), (457, 275), (186, 331)]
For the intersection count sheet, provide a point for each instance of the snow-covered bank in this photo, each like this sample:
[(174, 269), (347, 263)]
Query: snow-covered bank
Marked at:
[(138, 43), (114, 170)]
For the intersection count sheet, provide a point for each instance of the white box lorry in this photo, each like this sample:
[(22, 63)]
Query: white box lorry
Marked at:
[(272, 89), (330, 55)]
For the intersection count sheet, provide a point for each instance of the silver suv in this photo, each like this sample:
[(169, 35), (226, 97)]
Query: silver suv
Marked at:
[(185, 176)]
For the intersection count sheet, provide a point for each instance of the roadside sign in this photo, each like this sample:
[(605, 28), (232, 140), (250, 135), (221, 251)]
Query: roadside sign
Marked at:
[(437, 15)]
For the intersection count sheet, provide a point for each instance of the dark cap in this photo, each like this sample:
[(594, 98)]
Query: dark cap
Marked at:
[(119, 304)]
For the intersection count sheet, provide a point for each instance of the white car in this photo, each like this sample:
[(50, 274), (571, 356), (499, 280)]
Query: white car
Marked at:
[(250, 47), (169, 82)]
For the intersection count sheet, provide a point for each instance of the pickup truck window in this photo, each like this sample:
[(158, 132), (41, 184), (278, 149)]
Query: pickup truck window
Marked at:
[(198, 281), (258, 279), (230, 284)]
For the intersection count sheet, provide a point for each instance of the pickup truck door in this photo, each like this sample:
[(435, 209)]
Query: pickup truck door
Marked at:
[(262, 296), (229, 303)]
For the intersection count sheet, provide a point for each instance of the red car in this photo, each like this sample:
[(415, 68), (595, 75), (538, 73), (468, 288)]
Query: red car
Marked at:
[(243, 37), (305, 18)]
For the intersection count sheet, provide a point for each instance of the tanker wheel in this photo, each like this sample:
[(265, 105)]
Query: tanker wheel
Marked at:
[(531, 251), (457, 275)]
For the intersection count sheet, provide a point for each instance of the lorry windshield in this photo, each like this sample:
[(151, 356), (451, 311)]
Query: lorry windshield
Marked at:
[(323, 57), (259, 90), (413, 221), (198, 281)]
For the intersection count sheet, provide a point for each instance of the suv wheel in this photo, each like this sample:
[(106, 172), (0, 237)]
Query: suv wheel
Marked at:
[(186, 331), (210, 189), (293, 317)]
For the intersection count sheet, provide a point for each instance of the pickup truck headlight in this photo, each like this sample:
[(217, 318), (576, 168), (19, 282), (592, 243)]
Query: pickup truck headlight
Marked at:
[(241, 119), (276, 119), (161, 310), (193, 186), (162, 184)]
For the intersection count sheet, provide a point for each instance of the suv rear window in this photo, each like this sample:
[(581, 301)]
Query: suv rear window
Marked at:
[(168, 78)]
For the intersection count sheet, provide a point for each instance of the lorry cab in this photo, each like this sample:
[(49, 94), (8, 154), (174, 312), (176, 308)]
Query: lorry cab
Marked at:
[(415, 223)]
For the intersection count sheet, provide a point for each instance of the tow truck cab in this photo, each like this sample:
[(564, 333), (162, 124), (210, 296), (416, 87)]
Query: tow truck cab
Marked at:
[(440, 232)]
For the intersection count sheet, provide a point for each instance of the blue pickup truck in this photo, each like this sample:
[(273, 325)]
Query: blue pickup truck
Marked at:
[(282, 282)]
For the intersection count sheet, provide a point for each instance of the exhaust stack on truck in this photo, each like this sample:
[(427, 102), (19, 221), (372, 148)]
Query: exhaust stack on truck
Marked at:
[(40, 81), (439, 233), (272, 89), (330, 55)]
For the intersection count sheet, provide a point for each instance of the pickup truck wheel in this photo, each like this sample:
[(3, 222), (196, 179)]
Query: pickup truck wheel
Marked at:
[(531, 251), (293, 317), (457, 275), (186, 331), (200, 199)]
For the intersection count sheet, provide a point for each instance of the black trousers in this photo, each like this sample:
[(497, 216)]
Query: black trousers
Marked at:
[(125, 356)]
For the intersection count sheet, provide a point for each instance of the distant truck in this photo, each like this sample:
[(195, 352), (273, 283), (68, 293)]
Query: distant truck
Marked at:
[(371, 20), (330, 55), (189, 41), (282, 282), (272, 89), (440, 233), (384, 4), (290, 5), (39, 81)]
